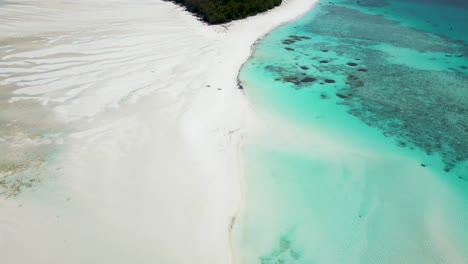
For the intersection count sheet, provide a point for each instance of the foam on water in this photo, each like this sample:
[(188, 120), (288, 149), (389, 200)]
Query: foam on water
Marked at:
[(361, 151)]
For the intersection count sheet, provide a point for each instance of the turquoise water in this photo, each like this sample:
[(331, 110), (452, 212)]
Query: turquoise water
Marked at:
[(361, 150)]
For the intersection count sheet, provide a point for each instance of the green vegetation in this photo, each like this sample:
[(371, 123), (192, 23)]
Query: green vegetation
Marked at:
[(222, 11)]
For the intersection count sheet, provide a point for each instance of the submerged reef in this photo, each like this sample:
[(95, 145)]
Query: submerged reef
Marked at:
[(419, 106)]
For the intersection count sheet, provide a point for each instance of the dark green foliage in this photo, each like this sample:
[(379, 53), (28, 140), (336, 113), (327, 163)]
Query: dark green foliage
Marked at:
[(222, 11)]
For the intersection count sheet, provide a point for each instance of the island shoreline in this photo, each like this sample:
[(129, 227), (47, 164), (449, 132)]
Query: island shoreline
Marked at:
[(146, 135), (240, 210)]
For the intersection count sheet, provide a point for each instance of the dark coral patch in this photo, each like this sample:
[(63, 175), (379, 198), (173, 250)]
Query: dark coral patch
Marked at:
[(308, 79), (323, 61), (352, 64), (354, 81), (292, 80), (304, 67), (342, 96), (362, 70), (290, 49), (329, 81), (298, 38)]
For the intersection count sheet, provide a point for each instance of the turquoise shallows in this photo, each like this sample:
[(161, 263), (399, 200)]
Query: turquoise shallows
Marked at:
[(360, 154)]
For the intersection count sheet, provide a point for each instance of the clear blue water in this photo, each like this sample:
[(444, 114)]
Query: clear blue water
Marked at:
[(361, 150)]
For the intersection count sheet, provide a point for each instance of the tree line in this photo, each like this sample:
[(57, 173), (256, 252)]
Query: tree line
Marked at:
[(222, 11)]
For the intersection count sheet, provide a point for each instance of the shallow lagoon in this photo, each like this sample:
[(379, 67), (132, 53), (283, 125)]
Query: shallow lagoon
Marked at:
[(360, 155)]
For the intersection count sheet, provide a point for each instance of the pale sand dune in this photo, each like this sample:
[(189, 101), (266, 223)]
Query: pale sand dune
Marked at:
[(116, 105)]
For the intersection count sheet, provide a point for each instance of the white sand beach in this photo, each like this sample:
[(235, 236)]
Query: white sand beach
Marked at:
[(120, 125)]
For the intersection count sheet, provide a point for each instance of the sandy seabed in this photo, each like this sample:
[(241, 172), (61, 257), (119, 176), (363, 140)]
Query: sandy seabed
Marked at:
[(120, 129)]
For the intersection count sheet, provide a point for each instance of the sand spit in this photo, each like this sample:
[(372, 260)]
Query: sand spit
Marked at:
[(123, 120)]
